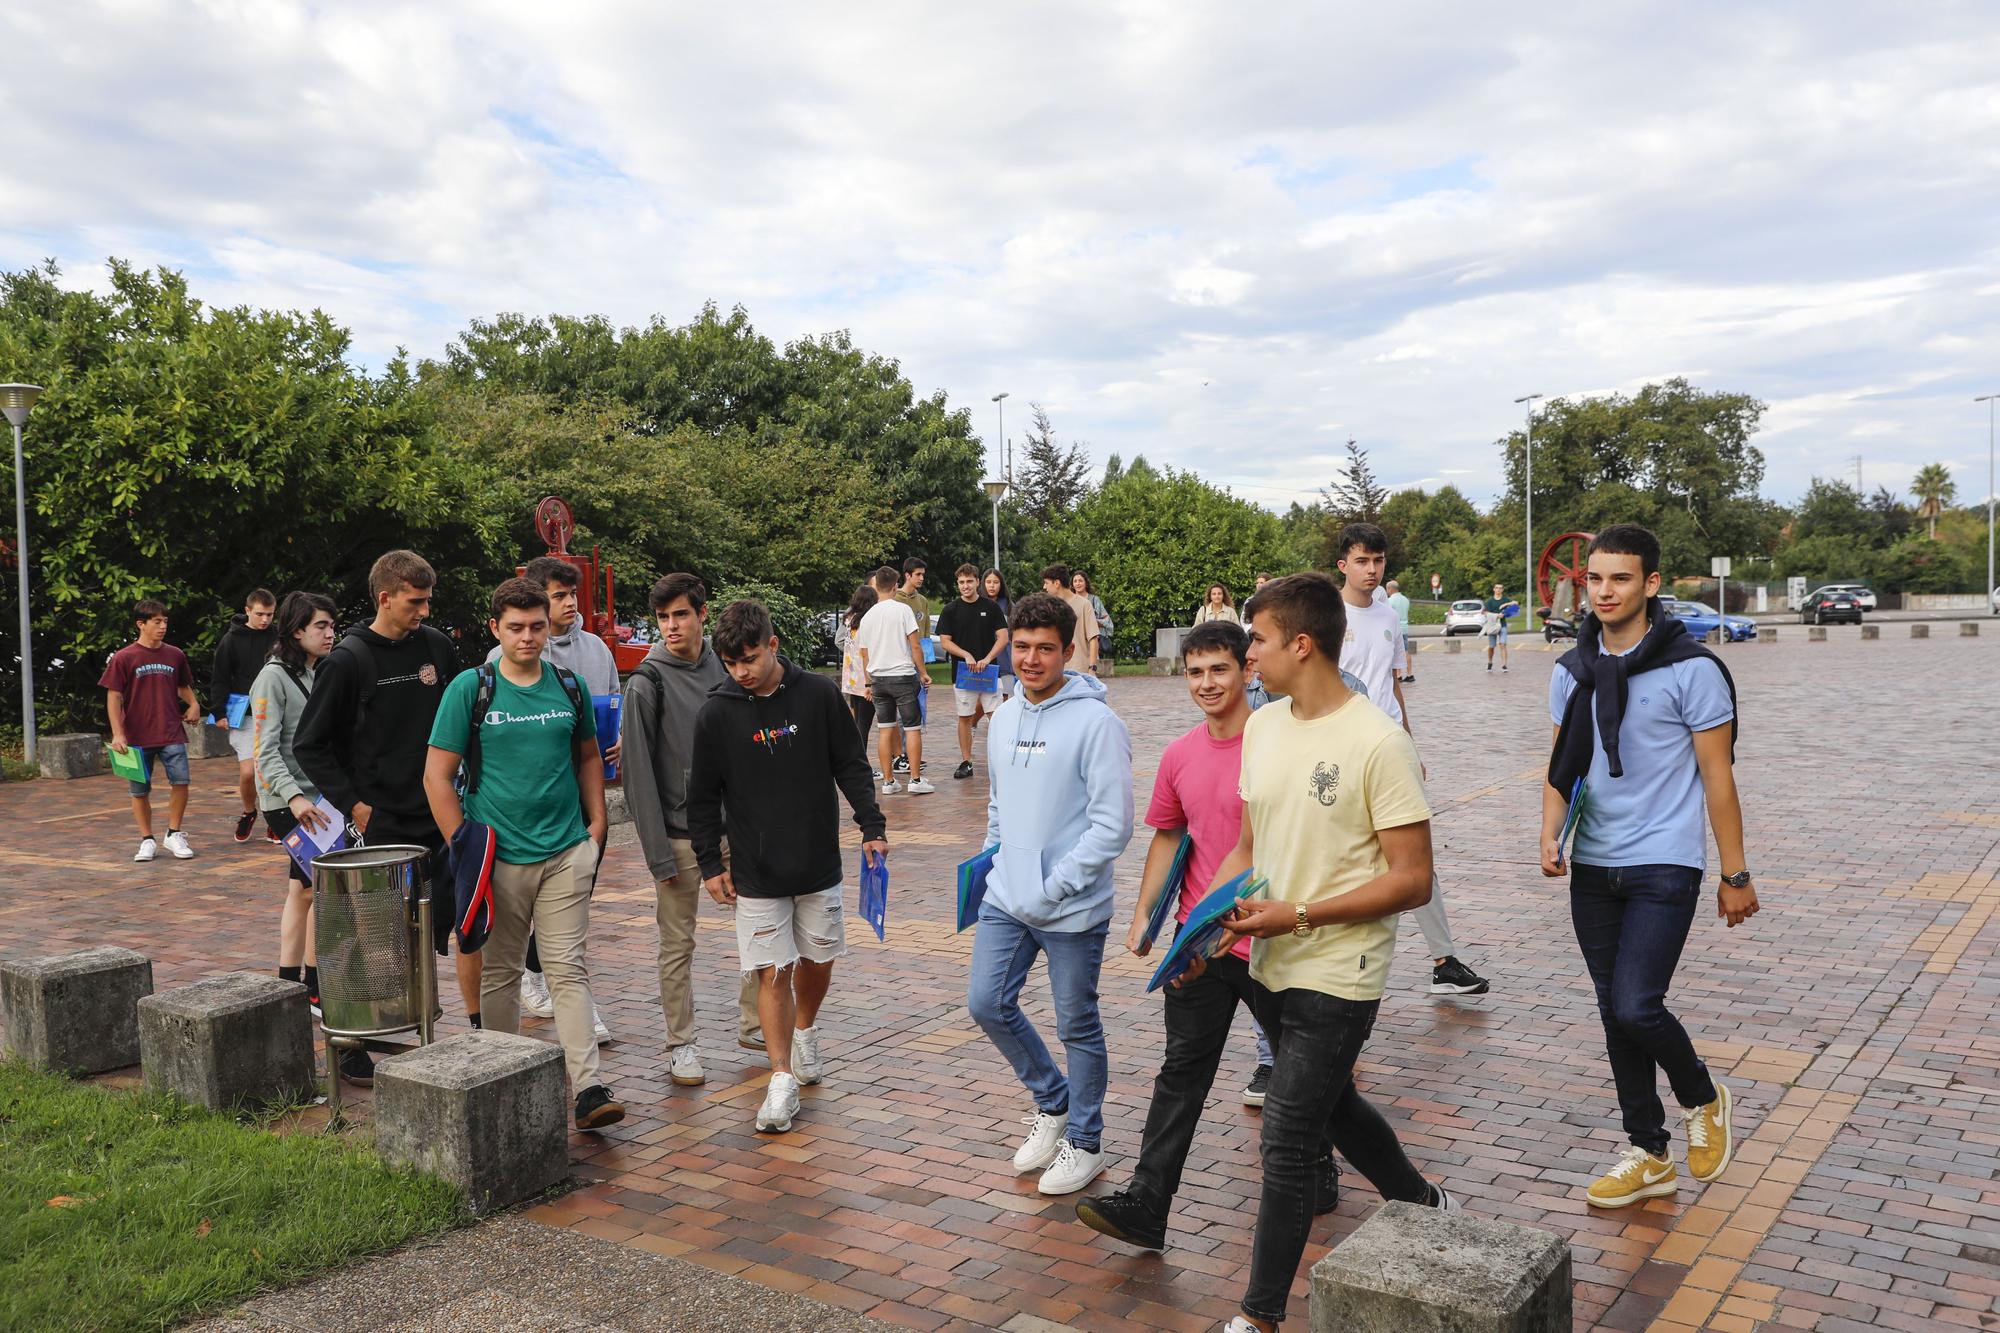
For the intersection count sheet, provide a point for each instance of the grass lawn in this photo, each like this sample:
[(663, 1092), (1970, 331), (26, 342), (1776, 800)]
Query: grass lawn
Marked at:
[(127, 1210)]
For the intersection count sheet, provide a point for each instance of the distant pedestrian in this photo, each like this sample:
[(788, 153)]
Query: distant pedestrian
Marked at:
[(149, 694), (1401, 604), (239, 656), (1217, 604), (972, 631), (911, 594), (1080, 584), (1494, 625), (996, 591), (1083, 650), (773, 751), (853, 675), (894, 661)]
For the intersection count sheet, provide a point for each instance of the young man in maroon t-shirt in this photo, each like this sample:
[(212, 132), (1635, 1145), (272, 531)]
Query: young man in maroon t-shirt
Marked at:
[(149, 694)]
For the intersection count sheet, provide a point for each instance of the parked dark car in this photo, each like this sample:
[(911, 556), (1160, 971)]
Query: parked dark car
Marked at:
[(1823, 607)]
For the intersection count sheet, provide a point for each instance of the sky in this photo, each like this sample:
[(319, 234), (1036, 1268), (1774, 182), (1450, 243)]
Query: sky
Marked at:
[(1229, 238)]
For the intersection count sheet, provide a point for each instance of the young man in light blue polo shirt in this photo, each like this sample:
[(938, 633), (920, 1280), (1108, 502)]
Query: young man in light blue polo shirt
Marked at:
[(1646, 717)]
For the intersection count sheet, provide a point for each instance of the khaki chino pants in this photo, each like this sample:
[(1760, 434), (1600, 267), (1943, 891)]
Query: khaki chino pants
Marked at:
[(553, 897), (678, 899)]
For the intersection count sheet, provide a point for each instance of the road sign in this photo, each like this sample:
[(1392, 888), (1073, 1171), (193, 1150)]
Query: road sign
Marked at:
[(1437, 582), (1719, 566)]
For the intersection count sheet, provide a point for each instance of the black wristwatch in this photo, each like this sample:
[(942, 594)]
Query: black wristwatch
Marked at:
[(1739, 880)]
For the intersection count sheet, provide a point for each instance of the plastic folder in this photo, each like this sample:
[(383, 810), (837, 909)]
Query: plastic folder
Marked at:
[(875, 892), (128, 764), (1579, 798), (1170, 894), (972, 885), (1204, 927)]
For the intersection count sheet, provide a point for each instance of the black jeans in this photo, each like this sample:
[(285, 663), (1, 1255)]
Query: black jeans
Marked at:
[(864, 714), (1318, 1038), (1632, 922)]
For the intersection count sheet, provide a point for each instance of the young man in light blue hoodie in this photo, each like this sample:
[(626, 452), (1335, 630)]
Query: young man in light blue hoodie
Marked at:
[(1059, 764)]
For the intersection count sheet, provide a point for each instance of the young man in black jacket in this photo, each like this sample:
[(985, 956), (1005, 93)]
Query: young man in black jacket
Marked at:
[(771, 745), (366, 731), (239, 655)]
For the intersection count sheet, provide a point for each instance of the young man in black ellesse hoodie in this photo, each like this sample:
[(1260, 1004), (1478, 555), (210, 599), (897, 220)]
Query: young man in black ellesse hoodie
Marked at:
[(367, 727), (770, 745), (239, 655)]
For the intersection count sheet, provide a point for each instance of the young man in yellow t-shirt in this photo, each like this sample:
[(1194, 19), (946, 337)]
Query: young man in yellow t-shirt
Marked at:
[(1335, 818)]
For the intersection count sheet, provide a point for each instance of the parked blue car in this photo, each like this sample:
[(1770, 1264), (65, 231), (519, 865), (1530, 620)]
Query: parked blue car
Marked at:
[(1702, 619)]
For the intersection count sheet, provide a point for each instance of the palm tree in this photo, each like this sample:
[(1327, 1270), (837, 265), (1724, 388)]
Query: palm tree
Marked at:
[(1934, 487)]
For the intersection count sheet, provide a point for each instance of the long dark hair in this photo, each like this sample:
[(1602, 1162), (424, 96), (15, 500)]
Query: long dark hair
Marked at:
[(864, 597), (294, 614), (1006, 603)]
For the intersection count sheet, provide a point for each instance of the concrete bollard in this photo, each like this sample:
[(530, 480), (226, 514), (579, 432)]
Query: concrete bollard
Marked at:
[(1767, 634), (238, 1037), (1919, 630), (1408, 1267), (483, 1110), (1816, 634), (73, 755), (1452, 645), (206, 742), (1871, 631), (1968, 629), (76, 1012)]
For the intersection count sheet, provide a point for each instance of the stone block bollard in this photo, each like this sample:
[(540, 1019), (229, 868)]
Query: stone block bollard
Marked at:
[(1871, 631), (483, 1110), (76, 1012), (616, 809), (1919, 630), (1159, 666), (238, 1037), (1452, 645), (1767, 634), (206, 742), (1968, 629), (1419, 1268), (1816, 634), (74, 755)]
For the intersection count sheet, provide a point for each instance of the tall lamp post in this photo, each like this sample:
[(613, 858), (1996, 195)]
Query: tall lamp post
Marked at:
[(1992, 602), (996, 490), (1528, 541), (16, 401)]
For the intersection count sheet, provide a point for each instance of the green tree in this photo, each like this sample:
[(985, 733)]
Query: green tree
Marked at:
[(1052, 478), (1934, 490), (1355, 496)]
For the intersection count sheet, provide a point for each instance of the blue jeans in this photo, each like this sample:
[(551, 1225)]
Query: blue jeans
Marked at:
[(1003, 950), (173, 758), (1632, 922)]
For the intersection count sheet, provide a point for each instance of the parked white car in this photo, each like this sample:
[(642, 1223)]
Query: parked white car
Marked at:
[(1465, 617), (1860, 591)]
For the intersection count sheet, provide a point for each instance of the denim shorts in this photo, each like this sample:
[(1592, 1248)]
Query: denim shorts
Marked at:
[(777, 932), (896, 700), (173, 757)]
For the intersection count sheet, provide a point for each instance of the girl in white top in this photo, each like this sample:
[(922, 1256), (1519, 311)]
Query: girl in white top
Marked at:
[(1217, 606)]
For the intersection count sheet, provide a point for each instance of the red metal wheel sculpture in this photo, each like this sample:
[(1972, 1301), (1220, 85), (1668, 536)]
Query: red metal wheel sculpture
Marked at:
[(554, 523), (1561, 566)]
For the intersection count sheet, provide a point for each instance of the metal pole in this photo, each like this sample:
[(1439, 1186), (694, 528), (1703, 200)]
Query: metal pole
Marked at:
[(1528, 535), (1992, 603), (996, 537), (21, 563)]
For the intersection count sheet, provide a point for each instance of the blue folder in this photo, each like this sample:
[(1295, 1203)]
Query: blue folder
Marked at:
[(875, 892), (983, 680), (1170, 894), (607, 708), (1579, 797), (972, 885), (237, 710), (1204, 927)]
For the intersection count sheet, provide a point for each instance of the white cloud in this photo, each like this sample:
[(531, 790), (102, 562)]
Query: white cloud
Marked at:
[(1193, 236)]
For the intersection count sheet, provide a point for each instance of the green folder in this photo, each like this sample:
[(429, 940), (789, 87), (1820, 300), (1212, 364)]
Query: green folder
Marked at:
[(127, 765)]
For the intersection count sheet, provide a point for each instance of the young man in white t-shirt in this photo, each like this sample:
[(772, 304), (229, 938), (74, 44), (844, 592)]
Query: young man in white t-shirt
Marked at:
[(886, 638), (1334, 815), (1373, 650)]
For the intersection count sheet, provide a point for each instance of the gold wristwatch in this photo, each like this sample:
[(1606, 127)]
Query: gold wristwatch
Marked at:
[(1305, 926)]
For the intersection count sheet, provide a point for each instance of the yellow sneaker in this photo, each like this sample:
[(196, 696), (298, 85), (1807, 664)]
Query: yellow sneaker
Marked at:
[(1638, 1175), (1710, 1144)]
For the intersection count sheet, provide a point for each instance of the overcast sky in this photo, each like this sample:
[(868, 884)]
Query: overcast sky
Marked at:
[(1228, 238)]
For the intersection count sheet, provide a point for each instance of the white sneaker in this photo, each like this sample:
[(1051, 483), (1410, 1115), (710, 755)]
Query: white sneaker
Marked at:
[(891, 787), (1072, 1170), (922, 787), (177, 843), (1044, 1140), (685, 1069), (781, 1103), (1239, 1325), (598, 1030), (805, 1055), (148, 849), (535, 996)]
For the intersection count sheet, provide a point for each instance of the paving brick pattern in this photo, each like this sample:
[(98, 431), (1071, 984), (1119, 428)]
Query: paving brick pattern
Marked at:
[(1854, 1020)]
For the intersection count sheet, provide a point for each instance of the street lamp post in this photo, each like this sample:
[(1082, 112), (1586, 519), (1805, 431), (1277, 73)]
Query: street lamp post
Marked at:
[(996, 490), (16, 401), (1528, 540), (997, 487), (1992, 602)]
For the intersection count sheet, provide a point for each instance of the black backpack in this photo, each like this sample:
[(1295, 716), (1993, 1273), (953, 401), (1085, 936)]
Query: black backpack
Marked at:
[(482, 703)]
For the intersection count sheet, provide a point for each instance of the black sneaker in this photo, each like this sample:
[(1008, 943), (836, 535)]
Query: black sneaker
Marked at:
[(358, 1068), (1452, 977), (1122, 1216), (1326, 1186), (596, 1108), (901, 764), (964, 769), (246, 823), (1260, 1083)]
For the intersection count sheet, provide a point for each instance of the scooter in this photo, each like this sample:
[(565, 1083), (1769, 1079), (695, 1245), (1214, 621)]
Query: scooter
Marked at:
[(1556, 626)]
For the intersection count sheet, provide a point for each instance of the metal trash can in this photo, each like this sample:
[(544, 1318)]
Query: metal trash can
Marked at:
[(377, 970)]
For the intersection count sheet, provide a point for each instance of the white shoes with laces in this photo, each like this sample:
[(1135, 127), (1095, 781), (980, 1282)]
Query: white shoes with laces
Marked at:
[(805, 1055), (1044, 1141), (177, 843), (685, 1067), (781, 1103), (535, 995), (1073, 1168), (148, 849)]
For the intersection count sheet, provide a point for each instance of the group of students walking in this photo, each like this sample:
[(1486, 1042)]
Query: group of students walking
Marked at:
[(735, 760)]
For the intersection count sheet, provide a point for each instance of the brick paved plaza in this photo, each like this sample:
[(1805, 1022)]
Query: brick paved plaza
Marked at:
[(1853, 1019)]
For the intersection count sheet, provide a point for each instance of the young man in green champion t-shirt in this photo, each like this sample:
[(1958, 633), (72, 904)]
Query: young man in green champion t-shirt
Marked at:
[(540, 788)]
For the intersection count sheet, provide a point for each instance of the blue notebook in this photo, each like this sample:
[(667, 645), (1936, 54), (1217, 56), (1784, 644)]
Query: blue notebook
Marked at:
[(1579, 798), (237, 710), (972, 885), (1204, 927), (983, 680), (875, 892), (1170, 894)]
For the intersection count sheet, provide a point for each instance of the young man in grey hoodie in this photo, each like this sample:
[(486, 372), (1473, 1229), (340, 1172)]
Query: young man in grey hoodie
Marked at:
[(657, 737), (1059, 809)]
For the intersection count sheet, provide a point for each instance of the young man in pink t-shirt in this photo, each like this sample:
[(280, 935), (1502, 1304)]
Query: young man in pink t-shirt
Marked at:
[(1195, 793)]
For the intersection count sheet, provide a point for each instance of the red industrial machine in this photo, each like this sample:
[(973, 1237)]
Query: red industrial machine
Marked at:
[(1559, 573), (555, 524)]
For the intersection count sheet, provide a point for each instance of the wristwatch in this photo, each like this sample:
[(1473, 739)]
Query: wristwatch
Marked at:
[(1305, 926), (1739, 880)]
